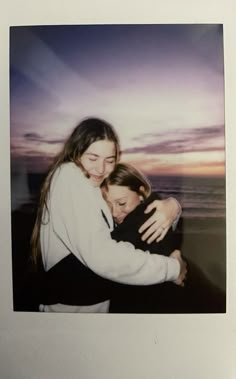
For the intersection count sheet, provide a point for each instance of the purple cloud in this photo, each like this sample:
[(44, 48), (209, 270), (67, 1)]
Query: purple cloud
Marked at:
[(35, 137), (181, 141)]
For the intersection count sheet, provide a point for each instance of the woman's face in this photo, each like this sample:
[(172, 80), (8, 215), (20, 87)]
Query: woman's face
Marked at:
[(121, 201), (99, 160)]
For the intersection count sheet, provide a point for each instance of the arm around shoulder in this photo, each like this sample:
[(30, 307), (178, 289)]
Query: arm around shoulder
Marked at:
[(82, 229)]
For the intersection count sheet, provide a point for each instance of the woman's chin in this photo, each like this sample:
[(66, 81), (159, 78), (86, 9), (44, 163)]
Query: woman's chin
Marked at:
[(119, 220), (96, 182)]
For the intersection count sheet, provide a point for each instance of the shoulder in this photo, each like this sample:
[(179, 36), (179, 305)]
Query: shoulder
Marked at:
[(152, 197), (69, 175), (137, 217), (139, 210), (69, 170), (128, 230)]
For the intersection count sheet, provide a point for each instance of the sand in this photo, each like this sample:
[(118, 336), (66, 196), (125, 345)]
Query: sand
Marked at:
[(203, 244)]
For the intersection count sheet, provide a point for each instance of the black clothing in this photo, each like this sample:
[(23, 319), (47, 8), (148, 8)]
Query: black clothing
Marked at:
[(71, 282), (156, 298)]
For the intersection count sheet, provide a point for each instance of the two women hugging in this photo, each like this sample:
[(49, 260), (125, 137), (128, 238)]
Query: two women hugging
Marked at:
[(106, 241)]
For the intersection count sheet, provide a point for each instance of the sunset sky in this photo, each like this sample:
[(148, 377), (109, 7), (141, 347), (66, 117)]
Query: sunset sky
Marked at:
[(161, 86)]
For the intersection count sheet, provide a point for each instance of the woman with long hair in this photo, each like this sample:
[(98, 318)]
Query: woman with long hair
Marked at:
[(74, 220)]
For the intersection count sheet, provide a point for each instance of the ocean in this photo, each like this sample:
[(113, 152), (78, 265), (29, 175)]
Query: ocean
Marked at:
[(199, 197)]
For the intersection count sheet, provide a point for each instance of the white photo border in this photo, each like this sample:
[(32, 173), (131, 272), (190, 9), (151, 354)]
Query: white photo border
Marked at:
[(69, 345)]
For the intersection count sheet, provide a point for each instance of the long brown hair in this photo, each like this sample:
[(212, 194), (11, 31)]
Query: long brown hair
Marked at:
[(126, 175), (84, 134)]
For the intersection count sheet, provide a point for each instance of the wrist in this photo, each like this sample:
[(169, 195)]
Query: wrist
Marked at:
[(178, 211), (174, 269)]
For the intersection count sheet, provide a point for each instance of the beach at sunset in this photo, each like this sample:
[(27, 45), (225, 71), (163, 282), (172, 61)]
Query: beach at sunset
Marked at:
[(160, 86)]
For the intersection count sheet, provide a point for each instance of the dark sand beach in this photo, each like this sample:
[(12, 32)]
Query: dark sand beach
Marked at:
[(203, 244)]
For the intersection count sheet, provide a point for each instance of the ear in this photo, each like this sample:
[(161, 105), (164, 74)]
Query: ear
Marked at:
[(141, 191), (104, 192), (119, 156)]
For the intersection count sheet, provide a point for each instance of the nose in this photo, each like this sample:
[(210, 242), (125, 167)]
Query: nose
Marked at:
[(115, 211), (100, 168)]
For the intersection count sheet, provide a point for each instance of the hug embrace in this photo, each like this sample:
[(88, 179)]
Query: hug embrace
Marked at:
[(100, 234)]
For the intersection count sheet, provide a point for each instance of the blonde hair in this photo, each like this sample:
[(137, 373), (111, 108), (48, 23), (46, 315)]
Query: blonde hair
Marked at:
[(128, 176)]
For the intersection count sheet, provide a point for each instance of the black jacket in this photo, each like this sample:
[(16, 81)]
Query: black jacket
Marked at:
[(158, 298)]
